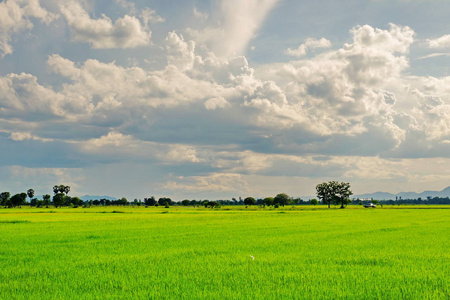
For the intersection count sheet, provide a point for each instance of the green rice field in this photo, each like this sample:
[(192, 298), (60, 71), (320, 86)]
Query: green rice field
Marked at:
[(227, 253)]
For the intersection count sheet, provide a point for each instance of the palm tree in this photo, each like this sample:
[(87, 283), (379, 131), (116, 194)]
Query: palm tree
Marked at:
[(66, 189), (30, 193)]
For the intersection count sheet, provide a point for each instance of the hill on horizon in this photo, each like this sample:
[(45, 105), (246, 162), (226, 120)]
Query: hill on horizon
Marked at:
[(405, 195), (89, 197)]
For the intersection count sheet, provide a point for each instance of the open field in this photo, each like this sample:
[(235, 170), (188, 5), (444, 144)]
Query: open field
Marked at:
[(197, 253)]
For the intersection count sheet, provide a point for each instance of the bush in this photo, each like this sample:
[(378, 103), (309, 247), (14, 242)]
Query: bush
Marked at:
[(276, 205)]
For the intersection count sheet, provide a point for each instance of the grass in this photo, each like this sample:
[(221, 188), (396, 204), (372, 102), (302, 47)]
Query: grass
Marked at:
[(198, 253)]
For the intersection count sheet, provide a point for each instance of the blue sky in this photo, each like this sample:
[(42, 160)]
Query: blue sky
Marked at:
[(221, 99)]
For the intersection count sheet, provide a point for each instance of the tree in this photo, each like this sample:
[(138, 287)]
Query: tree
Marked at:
[(297, 201), (324, 193), (314, 202), (61, 189), (76, 201), (150, 201), (186, 202), (282, 199), (268, 201), (334, 192), (46, 200), (59, 199), (30, 193), (5, 199), (18, 199), (211, 204), (122, 201), (161, 201), (249, 201), (66, 189)]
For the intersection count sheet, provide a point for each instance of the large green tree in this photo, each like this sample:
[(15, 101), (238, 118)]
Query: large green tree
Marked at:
[(334, 192), (5, 199), (59, 199), (268, 201), (46, 200), (165, 201), (282, 199), (18, 199), (249, 201), (150, 201)]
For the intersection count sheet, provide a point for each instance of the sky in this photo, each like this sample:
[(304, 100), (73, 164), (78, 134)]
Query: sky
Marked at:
[(217, 99)]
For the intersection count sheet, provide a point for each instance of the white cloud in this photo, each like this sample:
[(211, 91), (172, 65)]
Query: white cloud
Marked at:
[(43, 179), (212, 183), (22, 97), (15, 17), (116, 146), (235, 25), (339, 114), (202, 16), (148, 15), (21, 136), (101, 33), (309, 44), (433, 55), (180, 53), (396, 40), (442, 42), (215, 103), (346, 91)]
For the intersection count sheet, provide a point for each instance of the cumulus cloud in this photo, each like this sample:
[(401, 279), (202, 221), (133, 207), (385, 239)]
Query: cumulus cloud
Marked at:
[(344, 91), (16, 16), (309, 44), (101, 33), (179, 52), (334, 115), (22, 97)]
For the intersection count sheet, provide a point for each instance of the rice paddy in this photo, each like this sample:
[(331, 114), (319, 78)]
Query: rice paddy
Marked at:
[(227, 253)]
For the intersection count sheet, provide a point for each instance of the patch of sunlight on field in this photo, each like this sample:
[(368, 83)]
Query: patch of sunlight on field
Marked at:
[(198, 253)]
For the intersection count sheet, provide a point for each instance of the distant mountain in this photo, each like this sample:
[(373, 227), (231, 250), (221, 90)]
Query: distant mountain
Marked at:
[(405, 195), (376, 195), (89, 197)]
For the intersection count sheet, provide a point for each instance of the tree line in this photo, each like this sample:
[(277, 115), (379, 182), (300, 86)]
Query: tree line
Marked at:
[(328, 193)]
